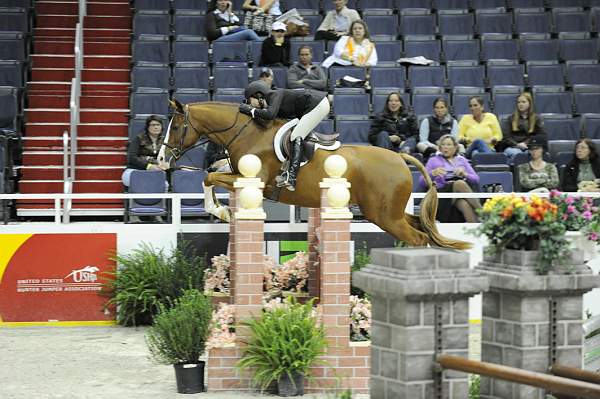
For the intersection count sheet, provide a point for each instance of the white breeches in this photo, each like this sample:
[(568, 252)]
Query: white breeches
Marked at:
[(310, 121)]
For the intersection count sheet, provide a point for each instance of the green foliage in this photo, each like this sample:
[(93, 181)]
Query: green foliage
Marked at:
[(474, 386), (147, 277), (282, 341), (179, 333), (361, 259)]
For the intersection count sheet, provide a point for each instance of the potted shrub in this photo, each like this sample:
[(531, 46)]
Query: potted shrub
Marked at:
[(178, 337), (283, 344)]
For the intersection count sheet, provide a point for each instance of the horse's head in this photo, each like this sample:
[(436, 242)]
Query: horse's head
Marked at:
[(179, 135)]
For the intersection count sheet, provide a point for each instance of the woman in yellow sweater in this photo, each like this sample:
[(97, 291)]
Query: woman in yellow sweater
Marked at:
[(480, 131)]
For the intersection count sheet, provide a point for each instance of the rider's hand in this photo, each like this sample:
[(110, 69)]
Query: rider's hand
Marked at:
[(247, 109)]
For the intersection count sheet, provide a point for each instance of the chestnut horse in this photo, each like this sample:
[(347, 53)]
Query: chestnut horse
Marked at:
[(381, 182)]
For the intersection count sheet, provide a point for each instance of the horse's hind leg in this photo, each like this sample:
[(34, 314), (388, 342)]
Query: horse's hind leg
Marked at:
[(402, 230)]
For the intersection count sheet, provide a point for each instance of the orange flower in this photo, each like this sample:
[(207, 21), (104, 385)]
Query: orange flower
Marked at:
[(506, 213)]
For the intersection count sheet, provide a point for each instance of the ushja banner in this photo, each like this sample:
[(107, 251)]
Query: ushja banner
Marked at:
[(54, 277)]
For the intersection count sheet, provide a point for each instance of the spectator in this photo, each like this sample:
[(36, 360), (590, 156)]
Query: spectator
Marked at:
[(452, 173), (537, 175), (267, 75), (480, 131), (305, 74), (521, 127), (223, 25), (356, 49), (394, 128), (143, 150), (276, 48), (439, 124), (271, 7), (583, 172), (337, 21)]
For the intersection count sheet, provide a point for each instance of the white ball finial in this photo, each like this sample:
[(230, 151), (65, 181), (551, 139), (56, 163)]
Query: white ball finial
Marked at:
[(249, 165), (251, 198), (335, 166), (338, 196)]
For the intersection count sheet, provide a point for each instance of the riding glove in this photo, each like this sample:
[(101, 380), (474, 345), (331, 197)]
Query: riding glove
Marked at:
[(247, 109)]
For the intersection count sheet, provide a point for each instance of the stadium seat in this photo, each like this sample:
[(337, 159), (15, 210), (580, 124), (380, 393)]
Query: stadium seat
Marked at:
[(190, 49), (187, 96), (338, 72), (416, 22), (493, 21), (539, 48), (532, 21), (388, 50), (150, 101), (229, 95), (12, 46), (190, 181), (189, 23), (583, 73), (382, 24), (460, 99), (563, 158), (499, 46), (571, 20), (505, 73), (325, 126), (353, 131), (426, 46), (587, 99), (9, 108), (150, 75), (230, 52), (503, 178), (567, 3), (455, 22), (351, 102), (591, 126), (572, 48), (279, 78), (151, 4), (428, 76), (151, 48), (488, 4), (505, 99), (255, 49), (451, 4), (422, 99), (388, 77), (151, 22), (465, 73), (552, 100), (142, 182), (557, 146), (193, 5), (230, 77), (12, 74), (458, 48), (191, 75), (527, 3), (14, 19), (545, 73), (562, 127), (490, 162)]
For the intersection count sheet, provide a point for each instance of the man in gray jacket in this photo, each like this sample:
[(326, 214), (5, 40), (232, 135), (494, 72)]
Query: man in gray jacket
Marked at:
[(304, 74), (337, 22)]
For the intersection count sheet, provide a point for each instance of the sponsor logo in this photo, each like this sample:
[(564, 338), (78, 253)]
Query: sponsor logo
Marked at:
[(84, 279)]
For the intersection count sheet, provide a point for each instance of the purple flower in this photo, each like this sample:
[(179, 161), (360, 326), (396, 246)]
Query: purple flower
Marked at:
[(593, 237), (570, 209), (569, 200), (587, 215)]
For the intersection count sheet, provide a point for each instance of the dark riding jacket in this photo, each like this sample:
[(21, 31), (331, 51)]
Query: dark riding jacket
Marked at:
[(571, 174), (289, 104), (404, 126), (141, 151)]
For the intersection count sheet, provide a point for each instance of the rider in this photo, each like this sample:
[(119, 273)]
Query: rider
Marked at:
[(311, 107)]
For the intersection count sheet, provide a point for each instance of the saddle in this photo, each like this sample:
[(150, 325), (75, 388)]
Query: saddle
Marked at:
[(310, 144)]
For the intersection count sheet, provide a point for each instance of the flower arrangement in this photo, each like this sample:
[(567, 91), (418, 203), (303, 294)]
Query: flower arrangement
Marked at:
[(216, 279), (520, 223), (222, 326), (360, 319), (291, 276), (578, 214)]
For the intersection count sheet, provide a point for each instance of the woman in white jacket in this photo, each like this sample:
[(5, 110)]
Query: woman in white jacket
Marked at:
[(355, 49)]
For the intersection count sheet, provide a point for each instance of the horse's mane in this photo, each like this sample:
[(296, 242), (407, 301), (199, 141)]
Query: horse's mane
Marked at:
[(232, 105)]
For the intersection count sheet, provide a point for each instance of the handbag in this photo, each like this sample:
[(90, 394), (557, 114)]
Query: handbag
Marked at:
[(259, 23), (493, 188)]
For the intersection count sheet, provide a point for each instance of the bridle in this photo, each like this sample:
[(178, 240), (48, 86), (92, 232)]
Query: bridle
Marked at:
[(178, 152)]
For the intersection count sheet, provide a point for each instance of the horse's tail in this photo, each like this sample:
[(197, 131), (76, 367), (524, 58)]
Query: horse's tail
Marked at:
[(425, 222)]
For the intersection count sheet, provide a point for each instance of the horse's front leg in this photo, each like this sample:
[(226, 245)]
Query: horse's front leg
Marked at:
[(211, 203)]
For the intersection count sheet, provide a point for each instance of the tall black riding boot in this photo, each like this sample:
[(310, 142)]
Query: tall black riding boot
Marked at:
[(288, 178)]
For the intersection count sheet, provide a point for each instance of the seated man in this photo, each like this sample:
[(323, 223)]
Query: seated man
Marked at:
[(304, 74), (337, 21)]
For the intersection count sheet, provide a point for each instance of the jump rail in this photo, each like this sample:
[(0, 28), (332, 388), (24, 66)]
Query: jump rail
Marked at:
[(575, 374)]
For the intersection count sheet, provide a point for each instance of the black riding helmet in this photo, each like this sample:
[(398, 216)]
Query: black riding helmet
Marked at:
[(257, 87)]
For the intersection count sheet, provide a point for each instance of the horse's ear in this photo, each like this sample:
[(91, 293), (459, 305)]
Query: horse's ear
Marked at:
[(176, 105)]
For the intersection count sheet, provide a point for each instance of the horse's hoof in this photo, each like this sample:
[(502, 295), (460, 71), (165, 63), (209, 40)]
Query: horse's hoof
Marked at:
[(223, 213), (290, 187)]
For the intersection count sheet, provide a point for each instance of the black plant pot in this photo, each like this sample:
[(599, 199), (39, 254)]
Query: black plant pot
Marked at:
[(291, 387), (189, 377)]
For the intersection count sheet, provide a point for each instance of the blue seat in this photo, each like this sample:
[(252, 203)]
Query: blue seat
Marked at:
[(14, 19), (422, 99), (388, 77), (503, 178), (191, 75), (18, 3), (255, 50), (389, 50), (569, 20), (505, 99), (150, 101), (563, 158), (230, 77), (279, 78), (229, 95), (460, 48), (193, 158), (313, 22), (415, 4), (460, 99), (587, 99), (189, 23), (137, 124), (382, 24), (151, 22), (460, 74), (568, 3), (489, 158), (429, 76), (380, 97), (528, 3), (195, 5), (451, 4), (12, 46), (150, 75), (417, 23), (380, 4), (591, 126), (151, 4), (353, 131), (578, 49), (539, 49), (230, 52), (545, 73), (557, 146), (351, 103), (552, 100), (190, 49), (187, 96), (142, 182), (487, 4), (325, 126), (505, 73), (318, 50), (337, 72), (532, 21), (303, 4), (499, 47), (151, 48), (12, 74), (9, 108), (493, 21), (455, 23), (426, 46), (562, 127), (579, 73)]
